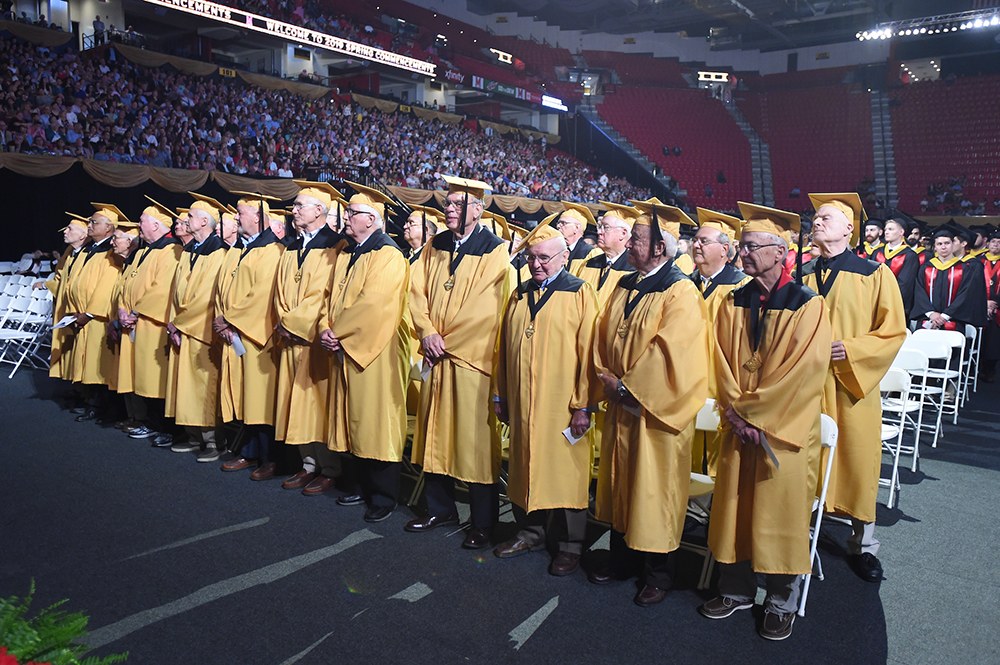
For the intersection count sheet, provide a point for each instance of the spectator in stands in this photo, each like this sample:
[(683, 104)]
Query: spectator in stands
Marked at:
[(98, 30), (677, 151), (708, 191), (795, 193)]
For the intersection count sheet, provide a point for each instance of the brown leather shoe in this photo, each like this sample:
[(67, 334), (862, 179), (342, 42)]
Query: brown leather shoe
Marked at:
[(299, 480), (513, 548), (565, 563), (319, 485), (476, 539), (649, 595), (429, 522), (238, 464), (264, 472)]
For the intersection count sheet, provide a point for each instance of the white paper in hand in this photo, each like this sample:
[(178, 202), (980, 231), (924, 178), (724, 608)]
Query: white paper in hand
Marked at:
[(64, 321), (131, 335), (767, 448), (425, 369), (634, 410), (568, 433), (238, 345)]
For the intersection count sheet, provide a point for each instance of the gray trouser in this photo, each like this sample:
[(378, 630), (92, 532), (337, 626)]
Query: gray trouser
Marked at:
[(570, 526), (863, 539), (202, 435), (739, 582)]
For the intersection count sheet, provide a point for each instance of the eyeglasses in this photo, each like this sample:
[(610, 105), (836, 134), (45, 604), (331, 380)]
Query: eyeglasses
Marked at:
[(351, 212), (448, 203), (751, 248), (604, 228), (300, 206), (703, 243), (540, 260), (564, 222)]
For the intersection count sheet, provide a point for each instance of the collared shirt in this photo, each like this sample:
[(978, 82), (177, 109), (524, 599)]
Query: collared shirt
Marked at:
[(307, 236), (548, 281), (611, 259), (707, 281), (654, 270), (246, 243), (462, 241)]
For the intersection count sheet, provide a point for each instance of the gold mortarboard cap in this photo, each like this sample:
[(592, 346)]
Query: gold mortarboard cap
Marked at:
[(848, 203), (761, 219), (128, 228), (475, 188), (255, 200), (322, 191), (670, 218), (533, 233), (207, 204), (728, 224), (369, 198), (433, 215), (540, 234), (499, 225), (159, 211), (579, 212), (627, 214), (109, 210), (75, 220)]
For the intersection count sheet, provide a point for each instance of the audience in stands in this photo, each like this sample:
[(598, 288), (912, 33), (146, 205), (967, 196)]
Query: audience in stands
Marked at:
[(116, 111)]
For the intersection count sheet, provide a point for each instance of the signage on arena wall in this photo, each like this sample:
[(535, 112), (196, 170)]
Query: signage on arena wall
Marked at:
[(519, 93), (452, 75), (248, 21)]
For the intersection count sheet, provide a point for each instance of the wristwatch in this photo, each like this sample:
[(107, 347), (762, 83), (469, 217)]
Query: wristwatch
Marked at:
[(622, 392)]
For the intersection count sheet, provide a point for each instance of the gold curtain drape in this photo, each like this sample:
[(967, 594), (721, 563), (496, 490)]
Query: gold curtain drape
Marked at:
[(35, 35), (282, 188), (381, 104), (307, 90), (508, 204), (152, 59), (36, 166), (551, 139), (430, 114)]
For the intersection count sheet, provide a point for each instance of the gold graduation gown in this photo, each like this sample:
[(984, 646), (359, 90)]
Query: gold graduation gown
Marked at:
[(245, 299), (455, 435), (760, 512), (685, 263), (90, 291), (579, 262), (660, 353), (367, 312), (147, 288), (302, 392), (62, 339), (705, 449), (603, 275), (114, 381), (543, 378), (866, 314), (193, 394)]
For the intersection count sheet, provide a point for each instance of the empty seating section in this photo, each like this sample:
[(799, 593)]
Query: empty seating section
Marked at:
[(749, 104), (638, 69), (540, 59), (710, 141), (940, 131), (821, 141)]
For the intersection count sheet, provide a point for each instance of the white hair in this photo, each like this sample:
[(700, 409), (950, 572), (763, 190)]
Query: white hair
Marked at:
[(312, 200), (207, 216), (670, 243)]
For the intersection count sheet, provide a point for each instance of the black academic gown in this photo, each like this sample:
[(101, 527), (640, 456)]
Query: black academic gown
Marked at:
[(905, 264), (956, 289)]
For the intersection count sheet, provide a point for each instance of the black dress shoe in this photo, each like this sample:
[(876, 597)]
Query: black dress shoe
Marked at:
[(476, 539), (77, 410), (352, 500), (429, 522), (865, 566), (378, 513), (649, 595), (602, 575), (89, 414)]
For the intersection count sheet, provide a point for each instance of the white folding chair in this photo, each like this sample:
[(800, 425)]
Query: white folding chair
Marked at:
[(931, 395), (975, 337), (38, 328), (828, 437), (6, 267), (895, 381), (955, 340), (700, 494), (915, 364)]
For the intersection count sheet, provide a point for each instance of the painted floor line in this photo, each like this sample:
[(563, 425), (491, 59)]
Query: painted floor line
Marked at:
[(209, 534), (526, 628), (359, 614), (302, 654), (275, 571), (412, 593)]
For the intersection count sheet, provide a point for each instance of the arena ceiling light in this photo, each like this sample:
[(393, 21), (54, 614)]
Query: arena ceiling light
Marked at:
[(929, 26)]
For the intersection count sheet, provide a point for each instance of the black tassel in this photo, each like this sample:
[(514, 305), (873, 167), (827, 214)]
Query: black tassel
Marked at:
[(655, 235), (423, 226)]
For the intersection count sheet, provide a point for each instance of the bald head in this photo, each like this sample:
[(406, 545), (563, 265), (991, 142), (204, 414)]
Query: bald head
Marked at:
[(547, 258)]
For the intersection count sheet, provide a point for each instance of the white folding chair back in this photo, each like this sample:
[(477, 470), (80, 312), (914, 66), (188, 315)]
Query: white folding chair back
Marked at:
[(828, 437), (956, 340), (6, 267), (895, 381), (975, 337), (915, 363), (938, 375), (700, 494)]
